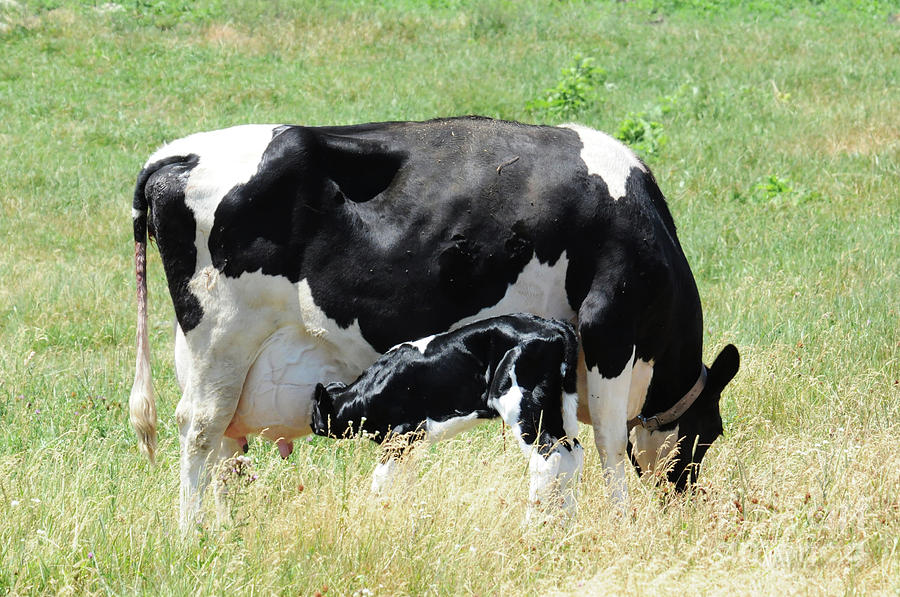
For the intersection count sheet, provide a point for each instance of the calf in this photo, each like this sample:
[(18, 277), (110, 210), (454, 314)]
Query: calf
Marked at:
[(521, 368)]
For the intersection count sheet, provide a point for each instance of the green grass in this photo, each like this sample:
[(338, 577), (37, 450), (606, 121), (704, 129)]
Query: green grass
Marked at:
[(781, 164)]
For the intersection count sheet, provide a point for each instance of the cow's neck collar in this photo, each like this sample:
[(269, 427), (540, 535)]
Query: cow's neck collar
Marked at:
[(654, 422)]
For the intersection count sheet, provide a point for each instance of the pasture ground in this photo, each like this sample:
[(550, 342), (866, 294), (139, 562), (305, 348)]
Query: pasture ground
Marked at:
[(777, 143)]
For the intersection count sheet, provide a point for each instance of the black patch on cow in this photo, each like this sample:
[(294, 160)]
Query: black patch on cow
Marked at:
[(172, 224), (361, 168)]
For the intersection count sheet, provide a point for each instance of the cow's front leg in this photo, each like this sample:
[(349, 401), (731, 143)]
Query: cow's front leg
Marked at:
[(606, 329), (608, 404), (202, 419)]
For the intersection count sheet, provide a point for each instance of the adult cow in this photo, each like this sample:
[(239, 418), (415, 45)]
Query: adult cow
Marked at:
[(357, 238)]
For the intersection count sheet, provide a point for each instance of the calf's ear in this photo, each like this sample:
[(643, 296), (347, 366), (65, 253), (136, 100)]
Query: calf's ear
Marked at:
[(323, 399), (724, 368)]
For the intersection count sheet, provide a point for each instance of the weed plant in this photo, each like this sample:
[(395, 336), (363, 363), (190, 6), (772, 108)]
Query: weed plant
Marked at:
[(780, 165)]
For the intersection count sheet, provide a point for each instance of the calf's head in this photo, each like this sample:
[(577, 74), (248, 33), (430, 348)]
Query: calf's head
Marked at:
[(680, 448), (324, 418)]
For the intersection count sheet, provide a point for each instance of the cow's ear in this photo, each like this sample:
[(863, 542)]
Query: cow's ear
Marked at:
[(724, 368), (361, 168)]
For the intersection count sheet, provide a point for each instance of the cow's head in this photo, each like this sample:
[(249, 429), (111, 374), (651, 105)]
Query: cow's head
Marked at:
[(324, 420), (678, 448)]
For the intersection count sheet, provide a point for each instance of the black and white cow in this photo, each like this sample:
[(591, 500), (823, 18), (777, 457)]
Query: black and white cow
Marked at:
[(341, 242), (521, 368)]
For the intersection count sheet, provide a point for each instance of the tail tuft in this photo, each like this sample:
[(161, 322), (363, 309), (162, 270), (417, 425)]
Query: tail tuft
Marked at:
[(142, 403), (142, 408)]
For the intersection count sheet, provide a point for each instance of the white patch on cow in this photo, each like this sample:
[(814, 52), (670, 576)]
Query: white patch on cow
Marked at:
[(383, 477), (352, 349), (570, 414), (421, 344), (239, 316), (539, 288), (640, 383), (607, 158), (440, 430), (653, 448), (227, 158), (136, 213), (608, 404)]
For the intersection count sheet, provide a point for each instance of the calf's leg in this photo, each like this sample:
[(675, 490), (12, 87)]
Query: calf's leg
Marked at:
[(542, 419), (395, 464)]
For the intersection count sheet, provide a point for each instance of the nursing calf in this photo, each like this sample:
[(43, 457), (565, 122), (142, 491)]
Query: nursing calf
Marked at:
[(521, 368)]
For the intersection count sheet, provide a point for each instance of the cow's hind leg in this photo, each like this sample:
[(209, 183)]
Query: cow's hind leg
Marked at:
[(202, 419), (607, 333)]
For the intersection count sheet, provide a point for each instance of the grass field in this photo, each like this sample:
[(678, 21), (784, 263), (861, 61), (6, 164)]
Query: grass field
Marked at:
[(772, 127)]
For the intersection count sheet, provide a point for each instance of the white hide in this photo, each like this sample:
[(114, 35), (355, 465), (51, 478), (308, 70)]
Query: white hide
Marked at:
[(653, 449), (437, 431), (228, 157), (383, 477), (640, 383), (393, 477), (422, 344), (182, 358), (552, 481), (540, 288), (608, 404), (508, 406), (650, 448), (351, 349), (607, 158), (239, 316)]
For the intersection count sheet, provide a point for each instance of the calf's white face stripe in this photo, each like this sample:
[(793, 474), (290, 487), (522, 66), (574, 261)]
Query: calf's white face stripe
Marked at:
[(509, 406)]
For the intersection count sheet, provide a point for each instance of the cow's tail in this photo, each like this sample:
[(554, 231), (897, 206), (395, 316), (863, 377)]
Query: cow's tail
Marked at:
[(142, 402)]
